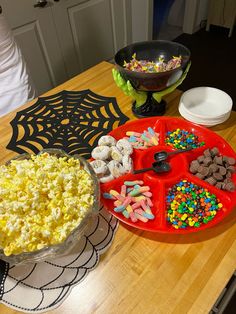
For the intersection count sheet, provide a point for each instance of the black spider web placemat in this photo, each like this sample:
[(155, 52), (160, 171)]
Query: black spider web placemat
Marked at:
[(70, 120)]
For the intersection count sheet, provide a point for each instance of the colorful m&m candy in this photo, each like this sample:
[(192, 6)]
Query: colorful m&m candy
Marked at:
[(182, 139), (189, 205)]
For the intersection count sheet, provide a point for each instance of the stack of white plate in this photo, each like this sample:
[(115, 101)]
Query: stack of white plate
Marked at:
[(207, 106)]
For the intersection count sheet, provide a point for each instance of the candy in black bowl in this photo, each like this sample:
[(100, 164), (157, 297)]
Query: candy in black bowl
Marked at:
[(152, 51)]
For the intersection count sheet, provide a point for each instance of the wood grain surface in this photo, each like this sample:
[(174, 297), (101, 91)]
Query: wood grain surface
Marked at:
[(145, 272)]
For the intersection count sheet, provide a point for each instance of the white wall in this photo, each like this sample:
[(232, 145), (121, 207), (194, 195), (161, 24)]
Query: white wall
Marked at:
[(142, 20), (195, 12), (176, 14), (142, 17), (202, 12)]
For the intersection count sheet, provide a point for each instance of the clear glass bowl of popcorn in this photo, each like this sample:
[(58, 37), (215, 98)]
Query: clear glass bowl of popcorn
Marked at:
[(47, 201)]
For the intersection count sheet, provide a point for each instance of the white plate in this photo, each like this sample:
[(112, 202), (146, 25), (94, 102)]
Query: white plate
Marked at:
[(203, 122), (206, 102), (206, 120)]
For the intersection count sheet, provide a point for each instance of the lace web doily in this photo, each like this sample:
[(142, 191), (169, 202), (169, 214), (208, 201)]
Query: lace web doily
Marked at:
[(43, 286)]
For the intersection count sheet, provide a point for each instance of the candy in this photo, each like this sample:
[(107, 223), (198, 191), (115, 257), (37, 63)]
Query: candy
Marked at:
[(127, 163), (133, 217), (207, 153), (123, 190), (137, 191), (149, 202), (116, 195), (141, 217), (132, 183), (136, 205), (207, 161), (99, 167), (230, 161), (117, 203), (151, 131), (106, 178), (116, 169), (182, 139), (124, 147), (125, 213), (211, 180), (189, 205), (108, 196), (147, 66), (112, 158), (143, 140), (148, 194), (218, 160), (131, 202), (138, 198), (116, 154), (145, 206), (229, 187), (129, 209), (215, 169), (119, 209), (127, 201), (222, 170), (148, 216), (106, 140), (101, 152)]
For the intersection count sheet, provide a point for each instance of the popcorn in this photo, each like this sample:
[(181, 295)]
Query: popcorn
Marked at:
[(41, 201)]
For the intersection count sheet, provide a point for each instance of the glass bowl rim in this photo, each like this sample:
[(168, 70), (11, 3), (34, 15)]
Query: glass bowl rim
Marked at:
[(57, 249)]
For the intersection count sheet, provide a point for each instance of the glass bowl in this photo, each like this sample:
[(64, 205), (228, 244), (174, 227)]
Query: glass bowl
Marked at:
[(63, 248)]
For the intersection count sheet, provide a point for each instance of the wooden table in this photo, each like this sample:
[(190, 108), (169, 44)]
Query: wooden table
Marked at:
[(147, 272)]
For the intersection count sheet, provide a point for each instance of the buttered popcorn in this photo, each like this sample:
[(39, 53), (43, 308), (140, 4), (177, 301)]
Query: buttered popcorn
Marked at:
[(41, 201)]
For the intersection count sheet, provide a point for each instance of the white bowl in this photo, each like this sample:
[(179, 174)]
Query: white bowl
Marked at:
[(204, 122), (206, 103)]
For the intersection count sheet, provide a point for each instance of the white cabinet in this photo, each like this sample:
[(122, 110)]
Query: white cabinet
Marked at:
[(63, 38), (91, 31), (35, 32)]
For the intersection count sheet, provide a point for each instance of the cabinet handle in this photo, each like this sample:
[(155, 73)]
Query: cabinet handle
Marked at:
[(40, 4)]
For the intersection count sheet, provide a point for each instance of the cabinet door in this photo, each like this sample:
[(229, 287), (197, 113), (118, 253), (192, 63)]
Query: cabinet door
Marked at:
[(91, 31), (36, 35)]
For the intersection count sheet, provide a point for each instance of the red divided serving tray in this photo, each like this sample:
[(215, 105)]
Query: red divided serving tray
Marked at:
[(160, 183)]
